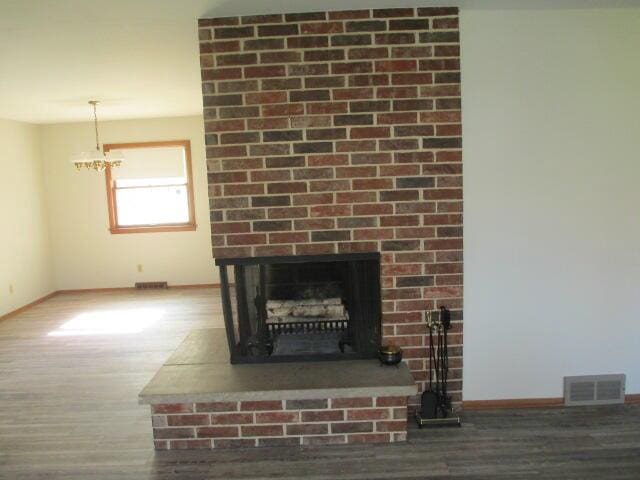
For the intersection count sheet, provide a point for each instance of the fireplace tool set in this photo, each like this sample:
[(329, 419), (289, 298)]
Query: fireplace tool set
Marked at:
[(436, 403)]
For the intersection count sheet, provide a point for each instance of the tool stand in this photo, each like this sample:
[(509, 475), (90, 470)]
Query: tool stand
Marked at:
[(436, 403)]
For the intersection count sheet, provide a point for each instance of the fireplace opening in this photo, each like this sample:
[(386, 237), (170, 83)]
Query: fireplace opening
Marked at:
[(296, 308)]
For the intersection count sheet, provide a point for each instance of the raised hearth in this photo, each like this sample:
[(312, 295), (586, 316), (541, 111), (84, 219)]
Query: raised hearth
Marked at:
[(199, 400)]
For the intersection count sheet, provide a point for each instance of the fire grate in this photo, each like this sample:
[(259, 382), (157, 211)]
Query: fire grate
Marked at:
[(309, 326)]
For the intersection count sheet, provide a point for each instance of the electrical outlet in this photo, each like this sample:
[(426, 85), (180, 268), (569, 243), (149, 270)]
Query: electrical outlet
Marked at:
[(10, 289), (140, 268)]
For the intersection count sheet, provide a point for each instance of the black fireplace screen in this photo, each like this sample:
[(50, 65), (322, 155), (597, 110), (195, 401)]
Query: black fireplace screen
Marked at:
[(296, 308)]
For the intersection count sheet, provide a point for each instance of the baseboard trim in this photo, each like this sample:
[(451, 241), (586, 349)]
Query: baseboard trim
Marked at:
[(128, 289), (632, 399), (95, 290), (27, 306), (195, 285), (513, 403)]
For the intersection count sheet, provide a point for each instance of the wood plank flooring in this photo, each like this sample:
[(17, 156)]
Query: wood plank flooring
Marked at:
[(68, 410)]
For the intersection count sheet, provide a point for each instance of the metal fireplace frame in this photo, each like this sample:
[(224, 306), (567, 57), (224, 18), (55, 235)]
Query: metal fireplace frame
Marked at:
[(365, 306)]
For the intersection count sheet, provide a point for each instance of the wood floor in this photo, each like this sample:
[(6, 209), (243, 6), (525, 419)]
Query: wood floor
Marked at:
[(68, 410)]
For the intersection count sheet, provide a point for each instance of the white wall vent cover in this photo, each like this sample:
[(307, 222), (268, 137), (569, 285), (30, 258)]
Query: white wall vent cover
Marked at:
[(594, 390)]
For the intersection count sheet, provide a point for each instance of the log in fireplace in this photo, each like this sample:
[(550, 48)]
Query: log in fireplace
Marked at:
[(306, 307)]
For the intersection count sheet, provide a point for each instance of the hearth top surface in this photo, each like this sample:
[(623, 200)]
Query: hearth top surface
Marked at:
[(199, 371)]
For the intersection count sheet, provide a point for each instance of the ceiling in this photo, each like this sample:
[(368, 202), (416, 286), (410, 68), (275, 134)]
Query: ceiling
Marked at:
[(139, 57)]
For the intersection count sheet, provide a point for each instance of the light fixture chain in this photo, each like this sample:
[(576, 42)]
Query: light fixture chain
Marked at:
[(95, 122)]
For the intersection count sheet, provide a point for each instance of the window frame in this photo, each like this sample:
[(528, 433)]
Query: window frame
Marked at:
[(114, 228)]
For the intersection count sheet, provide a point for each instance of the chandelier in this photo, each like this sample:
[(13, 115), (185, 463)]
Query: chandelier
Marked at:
[(95, 159)]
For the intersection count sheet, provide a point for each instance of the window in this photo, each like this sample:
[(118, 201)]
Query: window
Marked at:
[(152, 191)]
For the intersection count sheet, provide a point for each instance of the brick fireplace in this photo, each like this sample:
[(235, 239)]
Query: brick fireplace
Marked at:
[(339, 132)]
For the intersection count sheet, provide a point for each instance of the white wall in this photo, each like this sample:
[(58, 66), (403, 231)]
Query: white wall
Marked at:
[(551, 105), (24, 251), (85, 253)]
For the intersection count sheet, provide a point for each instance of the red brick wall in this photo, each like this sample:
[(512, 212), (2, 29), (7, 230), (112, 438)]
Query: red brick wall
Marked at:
[(279, 423), (340, 132)]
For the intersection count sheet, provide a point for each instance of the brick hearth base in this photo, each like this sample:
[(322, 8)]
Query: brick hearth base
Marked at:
[(199, 400), (279, 423)]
